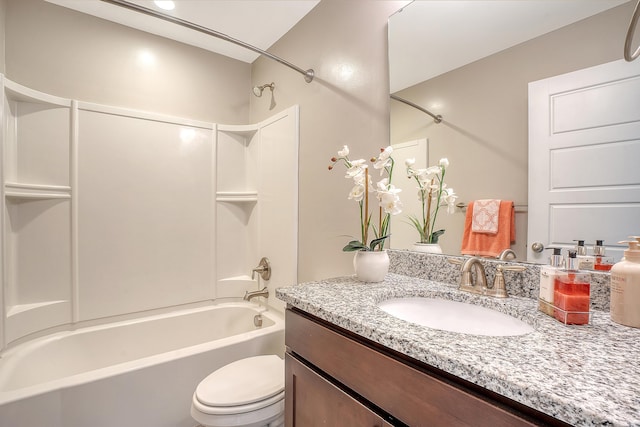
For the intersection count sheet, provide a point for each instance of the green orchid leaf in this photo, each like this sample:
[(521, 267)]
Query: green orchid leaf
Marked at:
[(377, 242), (435, 235), (355, 245)]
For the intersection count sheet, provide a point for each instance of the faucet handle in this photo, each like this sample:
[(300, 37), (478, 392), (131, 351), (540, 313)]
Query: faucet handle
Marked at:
[(499, 289), (263, 269)]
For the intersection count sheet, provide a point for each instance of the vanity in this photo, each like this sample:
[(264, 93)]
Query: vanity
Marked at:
[(350, 363)]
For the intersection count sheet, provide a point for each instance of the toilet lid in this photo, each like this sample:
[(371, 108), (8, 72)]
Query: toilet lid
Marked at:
[(243, 382)]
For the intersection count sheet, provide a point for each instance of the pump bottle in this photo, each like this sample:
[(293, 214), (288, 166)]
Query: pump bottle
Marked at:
[(625, 286), (572, 294), (548, 274), (601, 262), (585, 262)]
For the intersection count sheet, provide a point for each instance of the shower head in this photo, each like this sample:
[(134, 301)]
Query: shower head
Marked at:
[(257, 90)]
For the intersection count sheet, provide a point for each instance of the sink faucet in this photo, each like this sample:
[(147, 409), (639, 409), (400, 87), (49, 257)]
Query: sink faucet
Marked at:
[(466, 280), (264, 292), (469, 266), (507, 254)]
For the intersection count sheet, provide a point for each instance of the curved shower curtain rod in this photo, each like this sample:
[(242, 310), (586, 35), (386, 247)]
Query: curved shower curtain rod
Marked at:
[(436, 119), (308, 74)]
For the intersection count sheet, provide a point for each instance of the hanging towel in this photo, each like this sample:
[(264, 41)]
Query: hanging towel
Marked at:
[(485, 216), (487, 244)]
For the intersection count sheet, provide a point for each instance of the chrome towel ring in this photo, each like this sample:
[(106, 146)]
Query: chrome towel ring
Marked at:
[(632, 28)]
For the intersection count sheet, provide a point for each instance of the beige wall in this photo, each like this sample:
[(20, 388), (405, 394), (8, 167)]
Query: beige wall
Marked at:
[(345, 42), (73, 55), (484, 105)]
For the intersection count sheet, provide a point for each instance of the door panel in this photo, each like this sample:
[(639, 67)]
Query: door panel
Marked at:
[(584, 147)]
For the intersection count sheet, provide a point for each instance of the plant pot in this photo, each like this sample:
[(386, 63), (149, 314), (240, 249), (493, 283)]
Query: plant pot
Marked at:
[(431, 248), (371, 266)]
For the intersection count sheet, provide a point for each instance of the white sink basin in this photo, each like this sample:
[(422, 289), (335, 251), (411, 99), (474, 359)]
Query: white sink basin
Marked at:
[(454, 316)]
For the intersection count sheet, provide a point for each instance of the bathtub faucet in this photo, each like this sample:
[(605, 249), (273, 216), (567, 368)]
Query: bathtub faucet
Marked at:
[(264, 292)]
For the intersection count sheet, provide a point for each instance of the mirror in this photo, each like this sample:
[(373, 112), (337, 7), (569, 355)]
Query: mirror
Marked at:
[(471, 62)]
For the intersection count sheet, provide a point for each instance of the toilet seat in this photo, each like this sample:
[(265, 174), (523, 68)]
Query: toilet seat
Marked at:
[(242, 387)]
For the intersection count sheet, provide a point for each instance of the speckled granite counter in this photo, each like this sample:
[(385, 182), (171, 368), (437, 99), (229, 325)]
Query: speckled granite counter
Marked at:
[(584, 375)]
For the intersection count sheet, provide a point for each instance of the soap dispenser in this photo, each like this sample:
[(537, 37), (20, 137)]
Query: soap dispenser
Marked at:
[(548, 274), (572, 294), (625, 287), (601, 262), (585, 262)]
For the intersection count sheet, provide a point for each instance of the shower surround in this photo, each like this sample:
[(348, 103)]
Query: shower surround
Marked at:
[(112, 214)]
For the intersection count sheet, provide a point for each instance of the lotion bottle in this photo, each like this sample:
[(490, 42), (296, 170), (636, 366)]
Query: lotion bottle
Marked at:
[(548, 274), (572, 294), (625, 287)]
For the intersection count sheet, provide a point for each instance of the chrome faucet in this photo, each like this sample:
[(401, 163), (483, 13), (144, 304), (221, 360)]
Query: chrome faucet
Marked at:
[(474, 265), (248, 296), (466, 279), (507, 254)]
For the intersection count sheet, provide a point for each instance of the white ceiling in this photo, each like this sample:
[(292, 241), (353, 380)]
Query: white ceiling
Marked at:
[(257, 22), (431, 37)]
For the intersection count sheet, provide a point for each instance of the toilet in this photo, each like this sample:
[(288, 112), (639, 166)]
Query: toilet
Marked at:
[(245, 393)]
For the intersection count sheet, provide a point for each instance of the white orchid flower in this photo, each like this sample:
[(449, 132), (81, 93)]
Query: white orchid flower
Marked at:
[(386, 153), (344, 152), (357, 193), (410, 162), (444, 162), (357, 168), (450, 198), (384, 160), (390, 201)]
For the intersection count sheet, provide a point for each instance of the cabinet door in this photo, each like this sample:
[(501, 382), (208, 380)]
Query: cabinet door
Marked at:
[(311, 400)]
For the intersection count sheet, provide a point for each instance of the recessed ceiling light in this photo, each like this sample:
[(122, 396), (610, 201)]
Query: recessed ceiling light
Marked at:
[(165, 4)]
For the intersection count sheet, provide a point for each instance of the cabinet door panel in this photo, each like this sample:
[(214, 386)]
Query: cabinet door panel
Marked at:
[(410, 395), (313, 401)]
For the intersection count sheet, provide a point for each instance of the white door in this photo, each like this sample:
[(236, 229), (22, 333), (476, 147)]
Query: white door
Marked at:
[(584, 158)]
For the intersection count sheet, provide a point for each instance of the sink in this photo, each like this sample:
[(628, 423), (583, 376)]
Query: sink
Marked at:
[(455, 316)]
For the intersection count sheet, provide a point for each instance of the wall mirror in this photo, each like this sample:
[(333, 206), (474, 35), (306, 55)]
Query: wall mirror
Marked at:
[(471, 62)]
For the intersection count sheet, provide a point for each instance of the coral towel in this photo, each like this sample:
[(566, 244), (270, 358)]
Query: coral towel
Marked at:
[(486, 243)]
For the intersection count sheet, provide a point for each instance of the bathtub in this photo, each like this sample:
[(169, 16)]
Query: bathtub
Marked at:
[(134, 373)]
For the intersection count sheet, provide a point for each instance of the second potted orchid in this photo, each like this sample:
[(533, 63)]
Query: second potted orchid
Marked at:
[(371, 246), (432, 193)]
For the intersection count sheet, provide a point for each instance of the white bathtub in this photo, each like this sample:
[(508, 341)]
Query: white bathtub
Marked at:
[(135, 373)]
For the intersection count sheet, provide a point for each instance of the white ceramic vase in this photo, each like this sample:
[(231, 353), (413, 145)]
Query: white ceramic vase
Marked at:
[(431, 248), (371, 266)]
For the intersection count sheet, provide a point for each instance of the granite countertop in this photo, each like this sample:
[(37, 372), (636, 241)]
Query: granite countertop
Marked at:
[(584, 375)]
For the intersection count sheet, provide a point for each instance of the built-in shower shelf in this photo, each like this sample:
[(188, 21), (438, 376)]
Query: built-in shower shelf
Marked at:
[(242, 130), (14, 190), (23, 319), (237, 196)]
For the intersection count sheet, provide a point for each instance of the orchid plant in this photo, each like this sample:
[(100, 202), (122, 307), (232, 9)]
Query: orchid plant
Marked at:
[(432, 193), (385, 193)]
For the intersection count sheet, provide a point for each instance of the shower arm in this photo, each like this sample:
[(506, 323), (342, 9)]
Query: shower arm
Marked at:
[(308, 74), (436, 119)]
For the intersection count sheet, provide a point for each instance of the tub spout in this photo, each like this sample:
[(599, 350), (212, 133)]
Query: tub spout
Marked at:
[(264, 292)]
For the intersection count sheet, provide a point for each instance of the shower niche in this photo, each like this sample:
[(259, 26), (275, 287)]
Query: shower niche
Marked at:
[(256, 203), (36, 174), (236, 207)]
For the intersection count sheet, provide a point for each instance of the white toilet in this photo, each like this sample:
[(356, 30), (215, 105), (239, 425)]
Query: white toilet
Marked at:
[(245, 393)]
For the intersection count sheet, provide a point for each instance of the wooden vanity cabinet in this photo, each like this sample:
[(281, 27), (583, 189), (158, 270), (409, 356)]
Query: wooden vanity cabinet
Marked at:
[(337, 378)]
